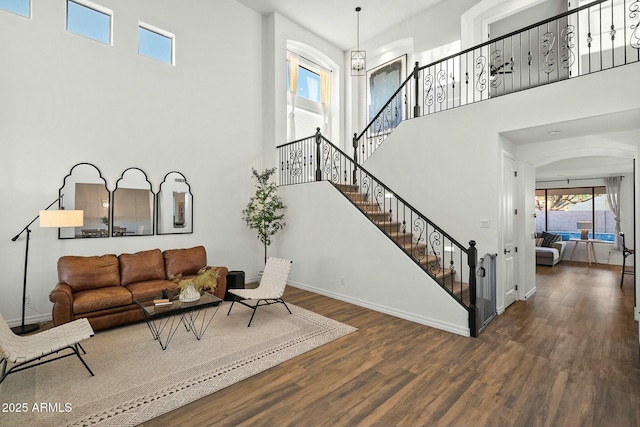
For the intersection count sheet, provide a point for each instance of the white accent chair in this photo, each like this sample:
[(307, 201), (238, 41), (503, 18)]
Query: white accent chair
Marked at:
[(28, 351), (270, 289)]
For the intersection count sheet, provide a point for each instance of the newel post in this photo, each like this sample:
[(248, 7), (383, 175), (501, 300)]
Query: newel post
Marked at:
[(416, 84), (355, 158), (473, 308), (318, 155)]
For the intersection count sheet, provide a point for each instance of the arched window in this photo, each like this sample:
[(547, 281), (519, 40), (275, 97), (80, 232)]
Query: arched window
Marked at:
[(308, 97)]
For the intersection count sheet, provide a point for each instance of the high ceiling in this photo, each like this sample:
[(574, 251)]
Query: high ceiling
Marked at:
[(336, 20)]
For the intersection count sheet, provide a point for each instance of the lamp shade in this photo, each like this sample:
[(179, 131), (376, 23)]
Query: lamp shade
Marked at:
[(584, 225), (61, 218)]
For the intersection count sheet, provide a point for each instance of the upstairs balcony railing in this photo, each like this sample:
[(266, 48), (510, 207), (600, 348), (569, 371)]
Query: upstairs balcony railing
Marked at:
[(595, 37)]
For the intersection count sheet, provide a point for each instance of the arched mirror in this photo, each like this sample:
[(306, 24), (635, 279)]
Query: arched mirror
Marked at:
[(175, 205), (85, 189), (132, 207)]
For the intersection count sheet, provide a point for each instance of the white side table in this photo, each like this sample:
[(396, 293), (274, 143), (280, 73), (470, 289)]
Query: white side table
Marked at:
[(591, 253)]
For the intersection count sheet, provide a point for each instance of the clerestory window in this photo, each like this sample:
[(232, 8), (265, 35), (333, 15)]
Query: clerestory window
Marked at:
[(156, 43), (89, 20), (19, 7)]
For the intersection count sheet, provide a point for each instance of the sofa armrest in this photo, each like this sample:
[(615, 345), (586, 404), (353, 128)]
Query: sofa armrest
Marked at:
[(221, 288), (560, 246), (62, 298)]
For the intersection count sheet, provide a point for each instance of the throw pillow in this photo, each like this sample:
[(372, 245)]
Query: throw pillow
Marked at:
[(549, 239), (539, 241), (207, 278)]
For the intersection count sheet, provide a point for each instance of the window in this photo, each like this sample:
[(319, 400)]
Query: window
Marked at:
[(308, 84), (89, 20), (155, 43), (558, 211), (307, 107), (20, 7)]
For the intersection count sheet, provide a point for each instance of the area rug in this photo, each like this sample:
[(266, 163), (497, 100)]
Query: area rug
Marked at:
[(135, 380)]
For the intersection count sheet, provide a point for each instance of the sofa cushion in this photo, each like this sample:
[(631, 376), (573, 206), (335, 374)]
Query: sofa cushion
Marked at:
[(549, 239), (141, 266), (100, 299), (184, 261), (90, 272), (544, 252), (151, 288)]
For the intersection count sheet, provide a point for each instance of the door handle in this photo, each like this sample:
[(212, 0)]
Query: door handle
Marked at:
[(506, 252)]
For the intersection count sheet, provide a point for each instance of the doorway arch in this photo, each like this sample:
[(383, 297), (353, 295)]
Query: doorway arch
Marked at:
[(545, 154)]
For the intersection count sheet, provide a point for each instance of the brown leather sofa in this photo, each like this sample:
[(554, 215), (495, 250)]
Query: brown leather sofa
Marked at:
[(102, 288)]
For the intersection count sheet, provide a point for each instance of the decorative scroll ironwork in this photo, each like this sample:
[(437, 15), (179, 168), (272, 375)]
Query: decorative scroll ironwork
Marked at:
[(428, 90), (331, 162), (296, 162), (366, 187), (481, 65), (612, 32), (568, 57), (442, 80), (435, 249), (498, 67), (634, 12), (378, 194), (548, 41)]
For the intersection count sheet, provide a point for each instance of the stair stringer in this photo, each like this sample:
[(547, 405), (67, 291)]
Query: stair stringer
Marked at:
[(331, 243)]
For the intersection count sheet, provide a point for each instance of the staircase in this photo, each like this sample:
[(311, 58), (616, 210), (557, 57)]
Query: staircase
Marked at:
[(446, 261)]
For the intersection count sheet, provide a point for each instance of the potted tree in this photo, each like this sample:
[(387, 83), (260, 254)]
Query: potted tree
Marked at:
[(262, 211)]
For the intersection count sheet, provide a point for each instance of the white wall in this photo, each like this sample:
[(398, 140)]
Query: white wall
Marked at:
[(331, 243), (68, 99)]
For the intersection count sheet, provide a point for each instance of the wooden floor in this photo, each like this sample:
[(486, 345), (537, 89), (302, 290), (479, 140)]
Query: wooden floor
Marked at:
[(567, 357)]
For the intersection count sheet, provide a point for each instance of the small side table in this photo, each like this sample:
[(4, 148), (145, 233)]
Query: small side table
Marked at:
[(591, 253), (235, 280)]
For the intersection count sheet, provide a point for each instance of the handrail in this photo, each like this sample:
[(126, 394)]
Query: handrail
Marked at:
[(574, 43)]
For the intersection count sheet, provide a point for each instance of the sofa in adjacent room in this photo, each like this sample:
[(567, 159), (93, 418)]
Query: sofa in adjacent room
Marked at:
[(549, 248), (102, 288)]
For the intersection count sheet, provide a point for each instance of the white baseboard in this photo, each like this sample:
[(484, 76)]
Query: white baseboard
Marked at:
[(29, 320), (530, 293), (434, 323)]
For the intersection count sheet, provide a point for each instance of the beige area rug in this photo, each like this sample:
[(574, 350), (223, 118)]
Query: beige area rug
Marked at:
[(135, 380)]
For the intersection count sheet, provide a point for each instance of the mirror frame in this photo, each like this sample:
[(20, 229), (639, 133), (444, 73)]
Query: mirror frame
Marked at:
[(62, 202), (188, 210), (152, 213)]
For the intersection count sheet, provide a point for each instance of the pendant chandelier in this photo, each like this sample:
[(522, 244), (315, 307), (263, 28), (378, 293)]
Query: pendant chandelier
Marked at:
[(358, 57)]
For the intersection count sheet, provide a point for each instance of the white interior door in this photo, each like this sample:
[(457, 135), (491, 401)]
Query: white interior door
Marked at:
[(508, 229)]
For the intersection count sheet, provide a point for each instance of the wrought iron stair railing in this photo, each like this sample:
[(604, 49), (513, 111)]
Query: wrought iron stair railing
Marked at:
[(600, 35), (449, 263)]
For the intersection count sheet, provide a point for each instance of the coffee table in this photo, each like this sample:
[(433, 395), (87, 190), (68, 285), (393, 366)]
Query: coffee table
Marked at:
[(163, 320)]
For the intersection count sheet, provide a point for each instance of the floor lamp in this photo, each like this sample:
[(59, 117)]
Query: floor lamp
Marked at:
[(60, 218)]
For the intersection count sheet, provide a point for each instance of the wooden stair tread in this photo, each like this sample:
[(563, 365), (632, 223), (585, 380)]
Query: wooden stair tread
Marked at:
[(347, 187)]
